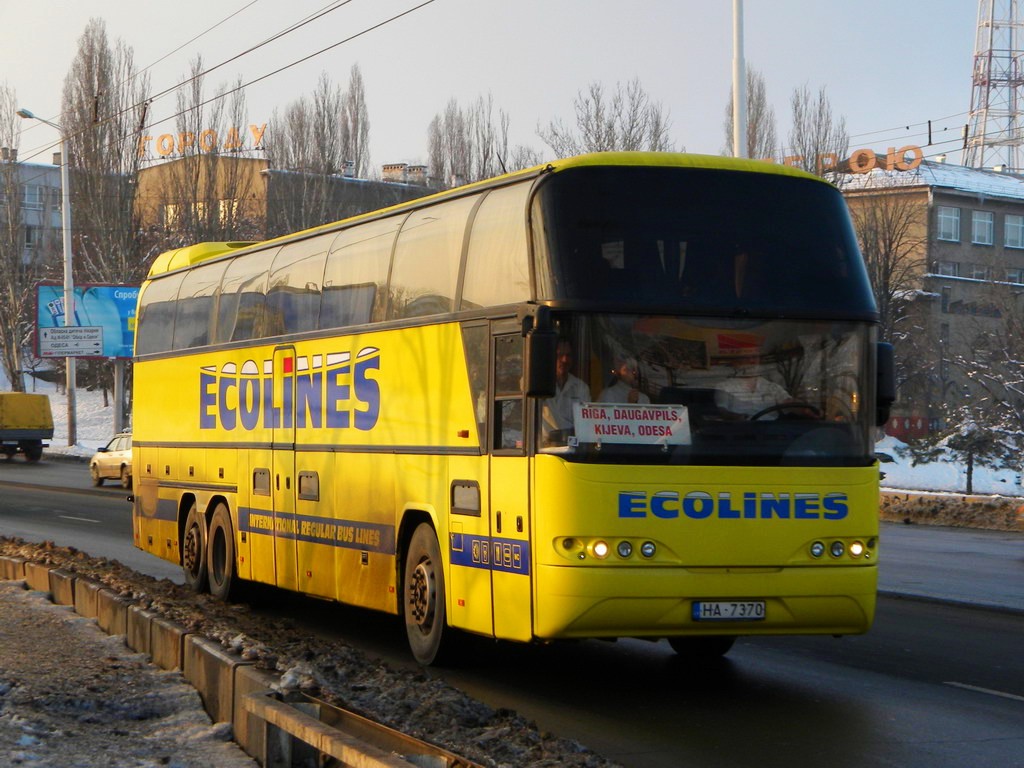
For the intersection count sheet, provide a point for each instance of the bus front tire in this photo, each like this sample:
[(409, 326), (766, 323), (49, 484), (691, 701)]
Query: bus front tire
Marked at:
[(193, 551), (220, 561), (423, 597)]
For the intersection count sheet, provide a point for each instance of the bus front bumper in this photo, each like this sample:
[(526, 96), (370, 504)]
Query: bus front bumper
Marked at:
[(659, 602)]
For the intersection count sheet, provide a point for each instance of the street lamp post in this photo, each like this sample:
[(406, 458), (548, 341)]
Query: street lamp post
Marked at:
[(69, 280)]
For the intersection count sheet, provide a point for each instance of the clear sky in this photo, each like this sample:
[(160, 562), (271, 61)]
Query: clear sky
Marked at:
[(889, 66)]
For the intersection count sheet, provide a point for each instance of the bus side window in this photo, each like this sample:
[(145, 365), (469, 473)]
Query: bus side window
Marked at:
[(474, 341), (356, 274), (293, 294), (193, 322), (427, 259), (498, 262), (508, 392), (242, 300), (156, 316)]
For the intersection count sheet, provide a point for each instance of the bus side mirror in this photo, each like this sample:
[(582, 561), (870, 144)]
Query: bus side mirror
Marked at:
[(885, 386), (541, 349)]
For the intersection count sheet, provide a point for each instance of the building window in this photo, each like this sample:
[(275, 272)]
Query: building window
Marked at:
[(32, 238), (948, 268), (1014, 231), (949, 223), (32, 197), (947, 294), (979, 272), (1014, 275), (227, 212), (982, 227)]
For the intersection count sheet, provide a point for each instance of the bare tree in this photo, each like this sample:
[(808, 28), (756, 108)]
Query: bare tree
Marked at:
[(624, 120), (762, 140), (20, 268), (205, 191), (319, 139), (309, 140), (817, 139), (467, 145), (104, 107), (357, 124), (891, 228)]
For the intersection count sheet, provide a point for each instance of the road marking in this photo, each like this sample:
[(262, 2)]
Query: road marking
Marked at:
[(80, 519), (989, 691)]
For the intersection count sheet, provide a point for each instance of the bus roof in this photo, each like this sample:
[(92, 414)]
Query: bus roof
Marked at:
[(180, 258)]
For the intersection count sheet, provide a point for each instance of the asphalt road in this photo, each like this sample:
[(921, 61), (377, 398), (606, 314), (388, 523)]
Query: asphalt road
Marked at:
[(938, 681)]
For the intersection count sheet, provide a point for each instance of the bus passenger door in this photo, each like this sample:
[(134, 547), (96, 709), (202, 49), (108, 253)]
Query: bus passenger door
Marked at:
[(509, 507), (281, 416)]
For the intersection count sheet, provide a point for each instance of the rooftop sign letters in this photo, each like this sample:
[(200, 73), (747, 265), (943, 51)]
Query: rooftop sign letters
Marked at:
[(168, 144), (864, 160)]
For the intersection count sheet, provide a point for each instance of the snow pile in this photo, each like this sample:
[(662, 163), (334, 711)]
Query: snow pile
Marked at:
[(944, 475)]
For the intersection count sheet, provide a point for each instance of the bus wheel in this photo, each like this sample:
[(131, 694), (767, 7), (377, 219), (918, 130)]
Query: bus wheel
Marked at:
[(220, 559), (702, 647), (193, 550), (423, 597)]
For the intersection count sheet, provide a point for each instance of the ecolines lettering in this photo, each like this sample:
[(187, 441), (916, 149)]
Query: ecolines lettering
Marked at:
[(700, 505), (323, 395)]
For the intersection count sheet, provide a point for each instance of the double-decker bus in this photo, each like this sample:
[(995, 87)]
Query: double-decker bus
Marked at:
[(618, 395)]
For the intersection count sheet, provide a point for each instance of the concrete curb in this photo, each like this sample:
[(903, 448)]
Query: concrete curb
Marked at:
[(273, 733)]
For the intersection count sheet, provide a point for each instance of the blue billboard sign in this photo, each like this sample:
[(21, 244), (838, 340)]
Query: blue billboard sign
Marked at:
[(108, 307)]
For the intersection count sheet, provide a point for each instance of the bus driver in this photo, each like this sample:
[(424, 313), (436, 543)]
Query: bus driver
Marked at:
[(568, 389)]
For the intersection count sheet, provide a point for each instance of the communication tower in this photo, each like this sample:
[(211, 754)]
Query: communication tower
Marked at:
[(994, 136)]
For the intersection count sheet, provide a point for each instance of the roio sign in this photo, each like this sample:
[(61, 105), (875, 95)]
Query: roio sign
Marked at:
[(205, 141), (863, 160)]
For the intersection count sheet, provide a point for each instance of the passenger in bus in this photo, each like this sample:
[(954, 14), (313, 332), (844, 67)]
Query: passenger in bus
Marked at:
[(625, 388), (558, 411)]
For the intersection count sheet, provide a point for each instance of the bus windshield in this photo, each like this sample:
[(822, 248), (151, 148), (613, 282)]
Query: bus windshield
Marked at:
[(638, 388), (698, 241)]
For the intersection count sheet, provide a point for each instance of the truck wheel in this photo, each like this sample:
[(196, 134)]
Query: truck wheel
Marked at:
[(193, 550), (33, 452), (423, 598), (220, 558)]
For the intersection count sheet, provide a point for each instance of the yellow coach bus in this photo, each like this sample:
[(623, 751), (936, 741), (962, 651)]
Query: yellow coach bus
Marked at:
[(619, 395)]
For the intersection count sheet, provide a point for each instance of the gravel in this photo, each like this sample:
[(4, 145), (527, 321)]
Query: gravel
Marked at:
[(409, 701)]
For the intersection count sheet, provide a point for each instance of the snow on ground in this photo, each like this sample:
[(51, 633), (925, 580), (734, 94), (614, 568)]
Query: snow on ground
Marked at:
[(95, 426)]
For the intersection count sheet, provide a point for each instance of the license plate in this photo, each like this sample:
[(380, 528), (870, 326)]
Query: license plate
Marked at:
[(728, 610)]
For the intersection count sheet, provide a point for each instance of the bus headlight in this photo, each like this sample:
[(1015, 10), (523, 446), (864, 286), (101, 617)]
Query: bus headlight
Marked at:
[(601, 549), (625, 549), (856, 549), (837, 549), (647, 549), (817, 549)]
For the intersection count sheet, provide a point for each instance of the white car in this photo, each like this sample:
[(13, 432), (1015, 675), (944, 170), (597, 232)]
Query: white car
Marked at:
[(113, 461)]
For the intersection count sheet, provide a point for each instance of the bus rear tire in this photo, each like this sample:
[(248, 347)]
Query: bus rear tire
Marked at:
[(220, 560), (702, 647), (193, 551), (423, 597)]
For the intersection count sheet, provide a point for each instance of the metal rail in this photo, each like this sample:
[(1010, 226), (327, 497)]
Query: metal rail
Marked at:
[(310, 732)]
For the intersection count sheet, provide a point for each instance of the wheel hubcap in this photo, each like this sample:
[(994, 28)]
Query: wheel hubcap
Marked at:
[(191, 549), (421, 595)]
